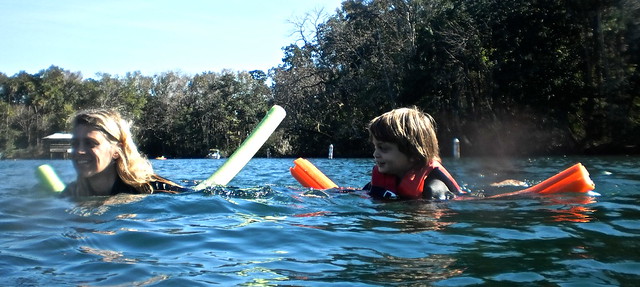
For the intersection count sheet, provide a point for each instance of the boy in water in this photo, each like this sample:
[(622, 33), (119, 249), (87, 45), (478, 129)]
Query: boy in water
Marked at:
[(407, 158)]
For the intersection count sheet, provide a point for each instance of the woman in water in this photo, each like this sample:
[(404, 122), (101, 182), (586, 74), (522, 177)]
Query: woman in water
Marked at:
[(407, 158), (107, 161)]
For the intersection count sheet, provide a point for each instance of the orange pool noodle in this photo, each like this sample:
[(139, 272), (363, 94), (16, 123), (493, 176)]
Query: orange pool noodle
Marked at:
[(310, 176), (573, 179)]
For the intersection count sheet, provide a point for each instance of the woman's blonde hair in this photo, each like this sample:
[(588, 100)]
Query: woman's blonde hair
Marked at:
[(412, 130), (133, 168)]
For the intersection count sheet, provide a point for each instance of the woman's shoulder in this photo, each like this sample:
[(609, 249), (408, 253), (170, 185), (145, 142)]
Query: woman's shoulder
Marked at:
[(69, 190), (161, 184)]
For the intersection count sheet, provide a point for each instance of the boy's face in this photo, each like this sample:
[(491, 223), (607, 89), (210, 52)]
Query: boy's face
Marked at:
[(390, 160)]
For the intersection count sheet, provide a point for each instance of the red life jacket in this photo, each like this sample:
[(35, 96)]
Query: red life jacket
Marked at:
[(412, 184)]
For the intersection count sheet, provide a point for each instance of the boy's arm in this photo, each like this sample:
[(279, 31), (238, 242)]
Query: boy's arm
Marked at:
[(379, 192), (436, 189)]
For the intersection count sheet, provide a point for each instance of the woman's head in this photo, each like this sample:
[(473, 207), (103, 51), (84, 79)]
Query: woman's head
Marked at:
[(95, 144), (102, 139), (413, 131)]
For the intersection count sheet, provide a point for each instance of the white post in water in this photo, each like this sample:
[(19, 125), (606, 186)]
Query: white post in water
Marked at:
[(331, 151), (456, 148)]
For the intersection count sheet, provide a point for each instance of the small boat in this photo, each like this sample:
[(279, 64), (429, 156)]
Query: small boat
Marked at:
[(161, 157), (214, 153)]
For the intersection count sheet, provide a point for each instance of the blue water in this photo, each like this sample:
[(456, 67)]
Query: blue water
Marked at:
[(263, 230)]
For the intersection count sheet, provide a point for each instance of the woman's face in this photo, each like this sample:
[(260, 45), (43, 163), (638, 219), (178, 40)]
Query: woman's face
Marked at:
[(92, 153), (390, 159)]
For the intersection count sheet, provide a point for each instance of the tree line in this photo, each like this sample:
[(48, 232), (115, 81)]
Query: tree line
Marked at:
[(172, 114), (506, 77)]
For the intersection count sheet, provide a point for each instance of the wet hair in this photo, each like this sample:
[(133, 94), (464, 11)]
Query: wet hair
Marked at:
[(411, 129), (133, 168)]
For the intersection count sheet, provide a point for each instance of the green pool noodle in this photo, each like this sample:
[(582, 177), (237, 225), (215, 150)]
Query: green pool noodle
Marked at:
[(49, 178), (247, 149)]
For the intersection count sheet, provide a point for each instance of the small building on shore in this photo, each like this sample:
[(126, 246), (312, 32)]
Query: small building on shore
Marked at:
[(58, 145)]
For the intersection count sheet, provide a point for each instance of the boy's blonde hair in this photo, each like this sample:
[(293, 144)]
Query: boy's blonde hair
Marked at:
[(412, 130), (133, 168)]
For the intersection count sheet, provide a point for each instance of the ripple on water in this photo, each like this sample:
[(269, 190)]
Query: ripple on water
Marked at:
[(604, 229), (519, 277), (267, 230)]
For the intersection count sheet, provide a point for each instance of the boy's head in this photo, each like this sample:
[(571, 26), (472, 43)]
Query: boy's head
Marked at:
[(412, 130)]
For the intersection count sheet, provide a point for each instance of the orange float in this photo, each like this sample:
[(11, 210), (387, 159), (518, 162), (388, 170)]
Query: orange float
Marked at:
[(573, 179), (309, 175)]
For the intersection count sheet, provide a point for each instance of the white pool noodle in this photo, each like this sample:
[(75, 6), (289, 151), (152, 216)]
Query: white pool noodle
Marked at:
[(49, 178), (247, 149)]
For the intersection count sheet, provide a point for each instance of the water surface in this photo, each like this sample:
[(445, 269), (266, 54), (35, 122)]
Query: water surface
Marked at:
[(263, 229)]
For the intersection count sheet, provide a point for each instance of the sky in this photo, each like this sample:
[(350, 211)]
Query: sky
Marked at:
[(150, 36)]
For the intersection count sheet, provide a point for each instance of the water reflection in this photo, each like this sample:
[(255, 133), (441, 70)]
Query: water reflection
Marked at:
[(570, 208), (269, 231), (379, 267), (107, 255)]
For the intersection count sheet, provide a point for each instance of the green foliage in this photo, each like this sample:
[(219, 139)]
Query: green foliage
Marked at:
[(172, 114), (539, 77), (504, 76)]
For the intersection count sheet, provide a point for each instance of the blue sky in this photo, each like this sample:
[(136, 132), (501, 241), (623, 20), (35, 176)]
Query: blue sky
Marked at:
[(150, 36)]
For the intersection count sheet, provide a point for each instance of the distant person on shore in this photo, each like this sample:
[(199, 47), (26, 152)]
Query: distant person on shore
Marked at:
[(407, 158), (107, 161)]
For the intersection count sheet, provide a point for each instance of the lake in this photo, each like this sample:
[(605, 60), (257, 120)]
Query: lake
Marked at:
[(264, 229)]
